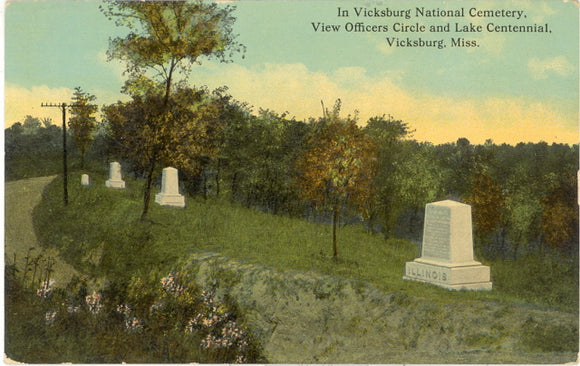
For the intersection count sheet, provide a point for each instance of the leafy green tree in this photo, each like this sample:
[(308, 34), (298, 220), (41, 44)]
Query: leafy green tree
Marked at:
[(523, 208), (82, 122), (560, 211), (459, 164), (147, 133), (388, 135), (166, 38), (31, 125), (418, 181), (523, 220), (169, 37), (558, 220), (337, 167), (487, 200), (47, 122), (258, 155), (34, 151)]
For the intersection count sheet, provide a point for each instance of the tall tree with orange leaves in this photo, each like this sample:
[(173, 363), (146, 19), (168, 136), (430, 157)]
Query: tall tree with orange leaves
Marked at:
[(337, 168)]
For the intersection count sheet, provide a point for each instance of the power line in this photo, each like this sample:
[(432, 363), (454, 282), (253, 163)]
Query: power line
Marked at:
[(64, 106)]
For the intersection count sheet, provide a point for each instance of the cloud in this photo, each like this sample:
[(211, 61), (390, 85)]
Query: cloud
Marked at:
[(298, 90), (540, 69), (20, 102), (492, 43), (294, 88), (509, 120)]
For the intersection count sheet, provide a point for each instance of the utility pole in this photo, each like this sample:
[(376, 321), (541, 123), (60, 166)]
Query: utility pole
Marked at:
[(63, 106)]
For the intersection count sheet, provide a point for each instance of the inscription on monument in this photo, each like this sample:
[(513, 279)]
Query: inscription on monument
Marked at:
[(436, 234), (427, 273)]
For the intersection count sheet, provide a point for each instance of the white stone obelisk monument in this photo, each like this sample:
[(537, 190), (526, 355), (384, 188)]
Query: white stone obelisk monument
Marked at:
[(447, 251), (169, 195), (115, 180)]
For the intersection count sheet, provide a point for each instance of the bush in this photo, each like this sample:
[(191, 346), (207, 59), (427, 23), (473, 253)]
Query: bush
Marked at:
[(170, 322)]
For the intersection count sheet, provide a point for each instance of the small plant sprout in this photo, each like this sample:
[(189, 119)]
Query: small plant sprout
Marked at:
[(50, 317), (207, 298), (73, 309), (232, 337), (210, 341), (158, 306), (203, 321), (133, 325), (210, 320), (124, 309), (94, 303), (171, 285), (45, 290)]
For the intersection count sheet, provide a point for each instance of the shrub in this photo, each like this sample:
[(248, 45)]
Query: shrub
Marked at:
[(172, 322)]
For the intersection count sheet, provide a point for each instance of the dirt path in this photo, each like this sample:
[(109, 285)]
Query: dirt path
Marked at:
[(20, 199)]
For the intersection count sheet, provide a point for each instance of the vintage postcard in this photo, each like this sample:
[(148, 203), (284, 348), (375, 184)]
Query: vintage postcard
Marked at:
[(260, 181)]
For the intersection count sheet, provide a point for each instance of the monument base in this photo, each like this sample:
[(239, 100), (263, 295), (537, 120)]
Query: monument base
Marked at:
[(173, 200), (465, 276), (119, 184)]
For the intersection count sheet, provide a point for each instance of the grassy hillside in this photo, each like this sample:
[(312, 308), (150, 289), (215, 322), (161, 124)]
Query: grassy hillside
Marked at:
[(99, 232), (274, 281)]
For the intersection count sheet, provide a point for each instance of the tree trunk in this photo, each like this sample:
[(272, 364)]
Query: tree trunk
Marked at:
[(217, 178), (334, 223), (233, 187), (169, 81), (204, 184), (147, 194), (515, 246), (82, 159), (149, 183)]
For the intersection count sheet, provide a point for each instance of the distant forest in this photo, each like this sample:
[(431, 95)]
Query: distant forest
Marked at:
[(523, 197)]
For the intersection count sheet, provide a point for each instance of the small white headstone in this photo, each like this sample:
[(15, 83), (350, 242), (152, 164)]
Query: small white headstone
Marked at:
[(115, 179), (169, 195), (85, 180), (447, 251)]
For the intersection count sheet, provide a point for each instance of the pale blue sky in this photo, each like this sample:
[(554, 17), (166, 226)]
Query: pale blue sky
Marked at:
[(514, 87)]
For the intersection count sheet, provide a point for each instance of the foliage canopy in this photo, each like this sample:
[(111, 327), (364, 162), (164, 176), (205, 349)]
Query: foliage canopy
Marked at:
[(338, 166), (83, 123), (170, 36)]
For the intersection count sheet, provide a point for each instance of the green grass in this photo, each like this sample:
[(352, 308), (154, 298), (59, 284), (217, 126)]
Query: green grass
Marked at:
[(100, 233)]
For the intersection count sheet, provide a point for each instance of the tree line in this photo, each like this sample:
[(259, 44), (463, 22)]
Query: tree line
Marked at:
[(330, 169)]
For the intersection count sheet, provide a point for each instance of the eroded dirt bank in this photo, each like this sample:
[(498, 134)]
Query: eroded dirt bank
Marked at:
[(305, 318)]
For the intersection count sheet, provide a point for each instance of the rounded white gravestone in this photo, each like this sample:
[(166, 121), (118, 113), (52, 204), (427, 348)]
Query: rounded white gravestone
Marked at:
[(169, 195), (447, 250), (85, 180)]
